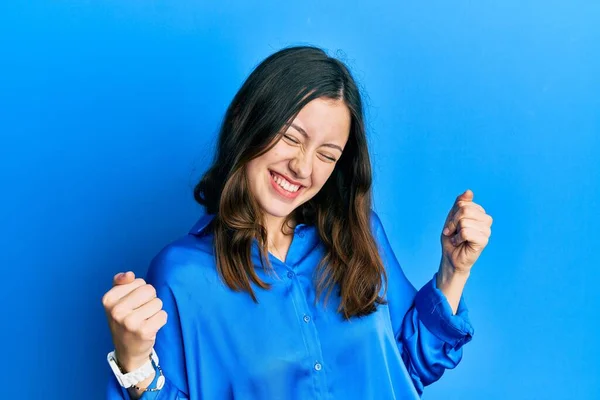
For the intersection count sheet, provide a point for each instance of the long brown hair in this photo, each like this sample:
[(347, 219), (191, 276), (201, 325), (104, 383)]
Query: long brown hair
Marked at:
[(264, 106)]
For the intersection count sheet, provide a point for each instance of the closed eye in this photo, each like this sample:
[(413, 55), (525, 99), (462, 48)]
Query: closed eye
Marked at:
[(295, 141), (328, 158), (291, 139)]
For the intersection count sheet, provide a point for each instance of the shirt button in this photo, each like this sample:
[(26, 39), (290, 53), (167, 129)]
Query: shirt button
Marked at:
[(300, 235), (318, 367), (290, 274), (306, 319)]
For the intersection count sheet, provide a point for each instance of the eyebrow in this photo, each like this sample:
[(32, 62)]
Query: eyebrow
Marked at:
[(303, 132)]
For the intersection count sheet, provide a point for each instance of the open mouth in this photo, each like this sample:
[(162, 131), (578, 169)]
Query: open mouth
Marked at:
[(284, 187)]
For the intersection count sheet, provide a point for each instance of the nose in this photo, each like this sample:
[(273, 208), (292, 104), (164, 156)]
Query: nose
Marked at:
[(301, 165)]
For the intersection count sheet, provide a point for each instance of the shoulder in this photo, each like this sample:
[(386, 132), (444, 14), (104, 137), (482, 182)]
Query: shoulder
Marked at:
[(375, 221), (377, 228), (383, 243), (400, 292), (386, 251), (187, 259)]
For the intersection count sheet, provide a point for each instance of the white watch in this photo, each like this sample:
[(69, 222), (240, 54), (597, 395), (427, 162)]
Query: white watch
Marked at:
[(134, 377)]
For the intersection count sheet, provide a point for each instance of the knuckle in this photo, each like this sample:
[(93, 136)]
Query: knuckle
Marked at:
[(118, 312), (106, 300), (139, 281), (159, 303), (150, 290), (147, 332), (476, 205), (165, 316), (131, 323), (146, 291), (117, 315)]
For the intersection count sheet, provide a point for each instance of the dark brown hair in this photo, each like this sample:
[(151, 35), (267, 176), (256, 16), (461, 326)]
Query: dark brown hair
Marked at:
[(264, 106)]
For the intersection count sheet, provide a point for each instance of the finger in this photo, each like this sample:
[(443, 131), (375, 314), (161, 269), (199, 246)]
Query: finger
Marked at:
[(464, 204), (137, 317), (133, 300), (467, 195), (467, 211), (148, 309), (123, 278), (462, 199), (473, 236), (472, 213), (153, 324), (114, 295), (474, 224), (475, 205)]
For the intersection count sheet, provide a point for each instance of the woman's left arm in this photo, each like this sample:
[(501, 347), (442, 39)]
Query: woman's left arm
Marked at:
[(432, 325), (466, 233)]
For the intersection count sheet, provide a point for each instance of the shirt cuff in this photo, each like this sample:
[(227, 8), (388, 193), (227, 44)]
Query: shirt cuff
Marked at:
[(436, 314)]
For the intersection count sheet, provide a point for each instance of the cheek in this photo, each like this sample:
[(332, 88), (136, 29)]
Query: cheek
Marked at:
[(253, 169), (280, 152), (321, 175)]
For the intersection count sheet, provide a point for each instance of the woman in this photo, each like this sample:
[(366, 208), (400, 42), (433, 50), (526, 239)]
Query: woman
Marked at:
[(288, 288)]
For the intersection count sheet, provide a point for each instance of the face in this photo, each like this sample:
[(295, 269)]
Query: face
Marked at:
[(299, 164)]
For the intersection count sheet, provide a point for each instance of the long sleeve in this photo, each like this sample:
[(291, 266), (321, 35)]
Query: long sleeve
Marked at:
[(169, 342), (429, 336)]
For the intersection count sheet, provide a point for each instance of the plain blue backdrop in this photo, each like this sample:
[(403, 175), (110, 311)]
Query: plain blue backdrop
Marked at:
[(109, 111)]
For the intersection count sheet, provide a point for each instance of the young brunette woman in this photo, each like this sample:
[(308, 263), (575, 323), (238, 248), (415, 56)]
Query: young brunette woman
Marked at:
[(288, 287)]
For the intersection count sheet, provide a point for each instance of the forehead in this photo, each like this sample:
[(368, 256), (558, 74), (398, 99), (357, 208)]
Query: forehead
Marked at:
[(325, 119)]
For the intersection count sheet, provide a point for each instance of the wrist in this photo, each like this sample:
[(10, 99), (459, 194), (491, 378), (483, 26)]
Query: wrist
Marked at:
[(128, 364), (449, 276)]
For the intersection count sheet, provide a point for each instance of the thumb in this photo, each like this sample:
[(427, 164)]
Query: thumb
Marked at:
[(123, 278), (467, 195)]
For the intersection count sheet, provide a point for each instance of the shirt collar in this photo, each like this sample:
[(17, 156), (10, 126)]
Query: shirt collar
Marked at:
[(201, 225), (308, 234)]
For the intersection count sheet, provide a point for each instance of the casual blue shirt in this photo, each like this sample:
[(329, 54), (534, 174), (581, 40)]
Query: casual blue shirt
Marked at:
[(219, 344)]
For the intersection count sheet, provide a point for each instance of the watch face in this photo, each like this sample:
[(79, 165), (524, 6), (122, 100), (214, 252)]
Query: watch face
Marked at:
[(161, 381)]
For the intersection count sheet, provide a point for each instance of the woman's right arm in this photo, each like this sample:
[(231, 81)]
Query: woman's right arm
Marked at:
[(134, 313)]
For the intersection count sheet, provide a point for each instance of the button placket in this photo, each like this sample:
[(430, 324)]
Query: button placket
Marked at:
[(298, 292)]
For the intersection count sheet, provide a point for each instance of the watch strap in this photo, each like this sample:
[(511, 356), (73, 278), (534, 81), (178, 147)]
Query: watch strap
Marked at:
[(133, 377)]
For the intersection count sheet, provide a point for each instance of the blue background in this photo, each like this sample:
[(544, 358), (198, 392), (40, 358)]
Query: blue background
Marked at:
[(108, 111)]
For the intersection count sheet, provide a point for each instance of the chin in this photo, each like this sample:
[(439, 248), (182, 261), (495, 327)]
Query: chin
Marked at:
[(281, 211)]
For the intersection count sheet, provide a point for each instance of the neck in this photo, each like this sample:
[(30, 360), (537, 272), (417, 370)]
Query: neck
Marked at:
[(278, 235)]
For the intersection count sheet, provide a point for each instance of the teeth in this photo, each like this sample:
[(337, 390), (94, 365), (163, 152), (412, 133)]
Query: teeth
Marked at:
[(285, 184)]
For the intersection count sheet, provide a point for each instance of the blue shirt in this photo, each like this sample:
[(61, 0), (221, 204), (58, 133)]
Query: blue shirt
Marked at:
[(219, 344)]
